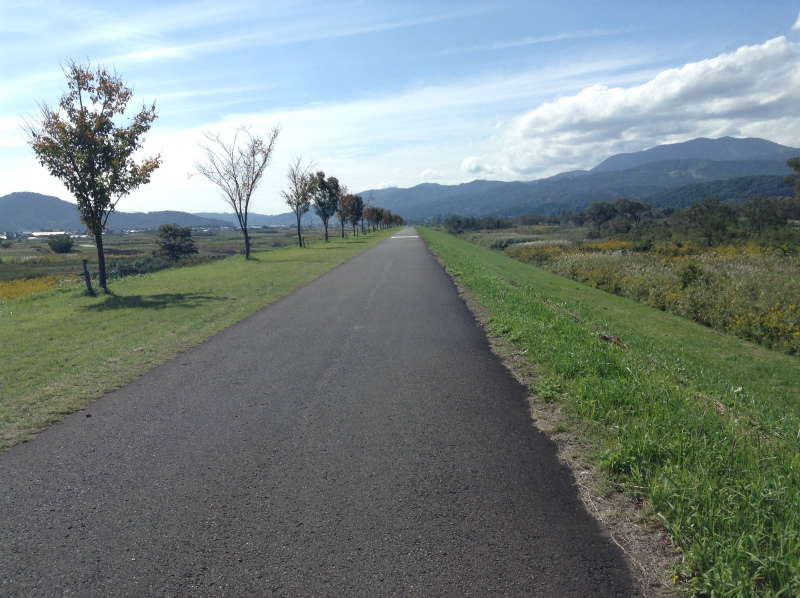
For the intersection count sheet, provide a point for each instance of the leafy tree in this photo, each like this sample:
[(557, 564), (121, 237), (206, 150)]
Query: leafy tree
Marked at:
[(343, 209), (711, 218), (764, 212), (325, 198), (301, 186), (174, 242), (237, 169), (634, 210), (60, 243), (80, 143), (794, 178), (356, 211), (371, 216), (600, 212)]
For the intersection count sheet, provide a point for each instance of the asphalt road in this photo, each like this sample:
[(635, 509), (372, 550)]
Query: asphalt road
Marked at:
[(356, 438)]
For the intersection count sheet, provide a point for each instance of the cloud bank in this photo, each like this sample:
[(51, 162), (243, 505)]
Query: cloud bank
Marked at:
[(750, 92)]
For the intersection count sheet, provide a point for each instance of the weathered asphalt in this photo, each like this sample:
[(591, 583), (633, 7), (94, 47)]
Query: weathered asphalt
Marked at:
[(356, 438)]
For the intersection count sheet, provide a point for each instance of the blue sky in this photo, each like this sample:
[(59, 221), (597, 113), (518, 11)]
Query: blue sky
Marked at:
[(400, 93)]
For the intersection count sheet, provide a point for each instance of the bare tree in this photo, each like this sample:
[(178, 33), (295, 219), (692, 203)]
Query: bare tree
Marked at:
[(237, 169), (301, 186)]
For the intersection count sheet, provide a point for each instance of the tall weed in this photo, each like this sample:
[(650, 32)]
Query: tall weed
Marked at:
[(748, 291)]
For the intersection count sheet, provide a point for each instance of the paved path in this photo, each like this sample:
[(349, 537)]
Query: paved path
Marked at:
[(356, 438)]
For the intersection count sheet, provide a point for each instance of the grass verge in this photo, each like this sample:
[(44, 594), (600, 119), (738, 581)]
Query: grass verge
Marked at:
[(60, 350), (703, 426)]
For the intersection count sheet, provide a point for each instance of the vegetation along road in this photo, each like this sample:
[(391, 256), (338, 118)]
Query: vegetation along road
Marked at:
[(310, 450)]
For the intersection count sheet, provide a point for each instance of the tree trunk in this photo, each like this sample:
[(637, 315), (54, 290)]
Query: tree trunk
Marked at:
[(101, 256), (299, 236), (325, 222), (246, 244)]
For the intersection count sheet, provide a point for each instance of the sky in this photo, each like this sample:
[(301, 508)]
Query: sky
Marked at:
[(394, 94)]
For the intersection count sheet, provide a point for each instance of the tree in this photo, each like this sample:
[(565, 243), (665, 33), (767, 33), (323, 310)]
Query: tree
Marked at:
[(711, 218), (371, 216), (174, 242), (343, 210), (600, 212), (60, 243), (237, 169), (635, 210), (80, 143), (356, 211), (764, 212), (794, 178), (366, 206), (298, 197), (325, 198)]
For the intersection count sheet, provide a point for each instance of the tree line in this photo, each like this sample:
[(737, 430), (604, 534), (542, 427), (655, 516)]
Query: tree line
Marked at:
[(710, 222), (80, 143)]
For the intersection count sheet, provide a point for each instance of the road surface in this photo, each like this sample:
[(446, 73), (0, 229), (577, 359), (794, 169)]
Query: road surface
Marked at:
[(356, 438)]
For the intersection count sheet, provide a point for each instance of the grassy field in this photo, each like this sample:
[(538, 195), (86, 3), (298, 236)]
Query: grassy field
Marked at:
[(703, 427), (30, 258), (62, 349)]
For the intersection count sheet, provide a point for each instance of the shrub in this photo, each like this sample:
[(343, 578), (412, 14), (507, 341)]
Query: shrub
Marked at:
[(174, 242), (60, 243), (129, 267)]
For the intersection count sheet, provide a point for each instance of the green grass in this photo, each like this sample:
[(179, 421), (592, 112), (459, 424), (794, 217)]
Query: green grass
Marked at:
[(60, 350), (707, 424), (29, 258)]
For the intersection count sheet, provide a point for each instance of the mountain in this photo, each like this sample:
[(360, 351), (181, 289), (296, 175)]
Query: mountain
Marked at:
[(137, 220), (287, 219), (26, 211), (722, 149), (33, 211), (482, 198), (735, 190)]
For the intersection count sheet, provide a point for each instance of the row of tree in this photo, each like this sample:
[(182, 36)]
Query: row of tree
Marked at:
[(329, 198), (80, 143), (711, 221)]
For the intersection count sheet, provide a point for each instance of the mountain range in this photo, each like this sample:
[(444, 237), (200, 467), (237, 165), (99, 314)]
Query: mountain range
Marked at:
[(26, 211), (667, 175)]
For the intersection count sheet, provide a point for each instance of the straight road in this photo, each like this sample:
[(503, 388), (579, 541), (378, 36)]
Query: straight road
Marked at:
[(356, 438)]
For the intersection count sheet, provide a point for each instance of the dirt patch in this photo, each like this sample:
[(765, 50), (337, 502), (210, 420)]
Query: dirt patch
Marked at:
[(624, 515)]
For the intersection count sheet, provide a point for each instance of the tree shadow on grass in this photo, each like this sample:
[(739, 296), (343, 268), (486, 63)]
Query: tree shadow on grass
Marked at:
[(163, 301)]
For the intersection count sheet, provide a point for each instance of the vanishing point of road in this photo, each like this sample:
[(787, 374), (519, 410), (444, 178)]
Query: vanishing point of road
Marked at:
[(355, 438)]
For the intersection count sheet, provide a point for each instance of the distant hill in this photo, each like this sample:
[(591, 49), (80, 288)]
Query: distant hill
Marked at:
[(482, 198), (34, 211), (736, 190), (722, 149), (26, 211), (137, 220), (287, 219)]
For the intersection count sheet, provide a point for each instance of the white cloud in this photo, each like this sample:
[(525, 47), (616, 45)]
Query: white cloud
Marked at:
[(430, 174), (797, 24), (749, 92), (471, 165)]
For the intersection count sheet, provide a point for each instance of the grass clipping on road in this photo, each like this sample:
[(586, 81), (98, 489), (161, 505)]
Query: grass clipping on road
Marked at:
[(61, 350), (703, 427)]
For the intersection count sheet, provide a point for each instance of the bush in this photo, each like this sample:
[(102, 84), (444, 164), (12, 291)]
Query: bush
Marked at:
[(130, 267), (174, 242), (60, 243)]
